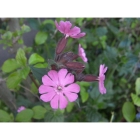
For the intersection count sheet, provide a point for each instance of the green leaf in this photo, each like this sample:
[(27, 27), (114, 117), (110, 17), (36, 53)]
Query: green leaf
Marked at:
[(136, 99), (20, 41), (25, 28), (7, 35), (125, 43), (4, 116), (40, 65), (85, 84), (113, 28), (13, 80), (70, 107), (35, 58), (24, 72), (20, 57), (10, 65), (137, 86), (40, 38), (134, 24), (38, 73), (94, 116), (54, 116), (111, 53), (101, 31), (25, 116), (129, 111), (39, 112), (48, 21), (84, 94), (34, 89)]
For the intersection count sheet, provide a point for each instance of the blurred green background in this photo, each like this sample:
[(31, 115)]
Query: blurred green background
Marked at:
[(114, 42)]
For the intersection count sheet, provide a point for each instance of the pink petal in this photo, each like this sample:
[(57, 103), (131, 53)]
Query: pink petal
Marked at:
[(82, 53), (79, 35), (47, 97), (54, 76), (65, 78), (44, 89), (47, 81), (67, 26), (62, 102), (72, 88), (62, 74), (56, 24), (68, 79), (54, 102), (62, 26), (105, 69), (102, 89), (102, 69), (74, 31), (21, 108), (71, 96), (85, 59)]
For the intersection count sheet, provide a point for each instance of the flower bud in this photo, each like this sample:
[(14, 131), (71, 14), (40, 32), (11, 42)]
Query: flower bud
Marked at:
[(90, 78), (75, 65), (61, 45), (67, 57)]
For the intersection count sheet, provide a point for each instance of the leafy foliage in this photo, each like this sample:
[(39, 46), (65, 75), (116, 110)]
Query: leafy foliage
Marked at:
[(114, 42)]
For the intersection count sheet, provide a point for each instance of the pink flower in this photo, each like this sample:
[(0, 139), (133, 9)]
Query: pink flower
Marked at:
[(21, 108), (101, 79), (65, 28), (58, 87), (82, 53)]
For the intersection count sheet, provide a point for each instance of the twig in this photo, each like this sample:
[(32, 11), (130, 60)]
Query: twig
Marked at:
[(32, 78), (29, 91)]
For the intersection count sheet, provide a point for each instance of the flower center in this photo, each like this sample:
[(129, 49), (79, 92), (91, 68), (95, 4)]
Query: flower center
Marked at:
[(66, 36), (59, 88)]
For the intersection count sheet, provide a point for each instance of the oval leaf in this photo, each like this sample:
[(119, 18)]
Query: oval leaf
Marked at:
[(20, 57), (13, 80), (136, 99), (25, 116), (129, 111), (39, 112), (54, 116), (137, 86), (4, 116), (84, 94), (35, 58), (10, 65), (70, 107), (40, 65), (40, 38), (24, 72), (38, 73)]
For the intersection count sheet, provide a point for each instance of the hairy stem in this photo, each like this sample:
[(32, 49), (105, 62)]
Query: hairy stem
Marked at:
[(32, 78), (29, 91)]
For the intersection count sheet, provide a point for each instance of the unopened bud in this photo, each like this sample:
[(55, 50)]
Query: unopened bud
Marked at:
[(67, 57), (61, 45), (90, 78), (75, 65)]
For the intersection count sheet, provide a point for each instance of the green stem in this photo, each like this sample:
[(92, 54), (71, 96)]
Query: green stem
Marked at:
[(112, 117), (29, 91), (32, 78)]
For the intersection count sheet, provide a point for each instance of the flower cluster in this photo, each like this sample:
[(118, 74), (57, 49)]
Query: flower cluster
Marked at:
[(59, 85)]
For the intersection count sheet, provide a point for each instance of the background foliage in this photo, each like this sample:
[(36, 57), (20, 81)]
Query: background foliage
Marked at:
[(114, 42)]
